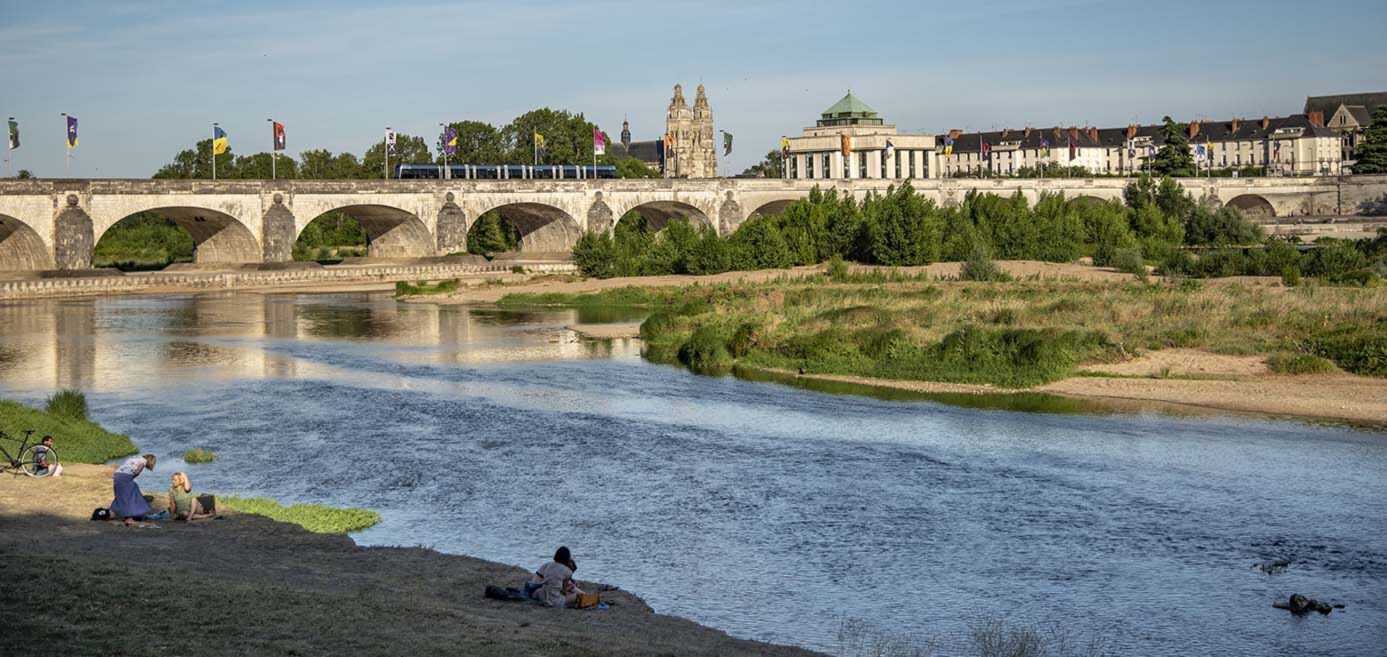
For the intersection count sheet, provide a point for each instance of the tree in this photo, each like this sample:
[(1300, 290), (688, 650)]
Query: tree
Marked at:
[(1372, 151), (196, 163), (321, 164), (629, 167), (408, 150), (1174, 158), (24, 174), (567, 137), (770, 167), (492, 234), (259, 167)]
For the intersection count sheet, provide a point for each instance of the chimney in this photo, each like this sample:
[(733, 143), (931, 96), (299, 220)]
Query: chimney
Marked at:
[(1131, 131), (954, 134), (1057, 133), (1237, 123), (1194, 129), (1093, 134), (1028, 132), (1073, 133), (1266, 122), (1005, 132), (1317, 119)]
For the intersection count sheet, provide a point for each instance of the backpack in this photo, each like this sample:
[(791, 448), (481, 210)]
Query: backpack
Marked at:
[(101, 513)]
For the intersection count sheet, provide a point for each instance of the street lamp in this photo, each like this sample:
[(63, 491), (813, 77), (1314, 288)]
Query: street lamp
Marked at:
[(444, 173)]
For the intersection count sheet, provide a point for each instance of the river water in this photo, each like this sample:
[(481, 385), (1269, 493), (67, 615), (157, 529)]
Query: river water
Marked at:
[(768, 511)]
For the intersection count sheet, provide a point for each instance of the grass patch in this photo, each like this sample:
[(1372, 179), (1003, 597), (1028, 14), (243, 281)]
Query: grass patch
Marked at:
[(424, 288), (71, 404), (624, 296), (76, 440), (1283, 362), (318, 518), (199, 455)]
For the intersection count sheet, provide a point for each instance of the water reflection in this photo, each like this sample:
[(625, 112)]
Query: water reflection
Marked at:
[(102, 344)]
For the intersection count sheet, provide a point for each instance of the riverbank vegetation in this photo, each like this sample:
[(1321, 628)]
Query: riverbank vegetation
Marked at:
[(317, 518), (143, 241), (77, 439), (894, 324), (199, 455), (1157, 224), (425, 288)]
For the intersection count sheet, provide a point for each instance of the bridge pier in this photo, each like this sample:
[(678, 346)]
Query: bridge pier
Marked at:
[(277, 231), (73, 239), (451, 228)]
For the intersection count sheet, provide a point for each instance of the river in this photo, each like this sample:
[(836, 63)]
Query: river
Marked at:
[(765, 510)]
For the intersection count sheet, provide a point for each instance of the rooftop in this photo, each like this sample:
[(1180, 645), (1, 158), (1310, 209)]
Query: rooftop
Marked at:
[(849, 111)]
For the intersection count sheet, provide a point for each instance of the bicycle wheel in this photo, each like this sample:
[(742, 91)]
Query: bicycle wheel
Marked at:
[(38, 461)]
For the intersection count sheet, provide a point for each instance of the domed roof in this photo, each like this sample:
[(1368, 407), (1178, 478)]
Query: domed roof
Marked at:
[(850, 108)]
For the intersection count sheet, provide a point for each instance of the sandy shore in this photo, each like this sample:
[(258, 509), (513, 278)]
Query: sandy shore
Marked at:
[(247, 585)]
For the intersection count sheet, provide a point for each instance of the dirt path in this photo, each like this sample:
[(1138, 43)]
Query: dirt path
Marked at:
[(246, 585)]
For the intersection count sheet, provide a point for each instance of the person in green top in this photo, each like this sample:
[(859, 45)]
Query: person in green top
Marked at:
[(182, 503)]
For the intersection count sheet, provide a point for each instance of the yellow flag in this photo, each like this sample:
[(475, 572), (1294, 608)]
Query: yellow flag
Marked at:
[(539, 140)]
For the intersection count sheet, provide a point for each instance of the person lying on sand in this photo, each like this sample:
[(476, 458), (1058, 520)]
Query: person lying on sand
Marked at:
[(182, 502), (129, 502)]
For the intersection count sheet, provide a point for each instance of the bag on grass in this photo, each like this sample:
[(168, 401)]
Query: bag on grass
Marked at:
[(208, 502), (587, 600), (101, 513)]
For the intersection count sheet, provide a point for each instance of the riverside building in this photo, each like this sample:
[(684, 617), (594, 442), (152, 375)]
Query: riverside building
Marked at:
[(850, 140)]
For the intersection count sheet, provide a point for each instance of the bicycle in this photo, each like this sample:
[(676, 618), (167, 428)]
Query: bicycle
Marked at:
[(36, 460)]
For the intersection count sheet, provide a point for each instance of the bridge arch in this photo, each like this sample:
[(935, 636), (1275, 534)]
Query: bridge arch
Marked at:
[(218, 237), (391, 232), (1253, 205), (21, 247), (543, 228), (770, 208), (659, 213), (1087, 200)]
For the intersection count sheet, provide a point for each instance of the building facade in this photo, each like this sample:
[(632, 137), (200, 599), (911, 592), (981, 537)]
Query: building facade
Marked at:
[(1292, 145), (1348, 116), (851, 141), (690, 151)]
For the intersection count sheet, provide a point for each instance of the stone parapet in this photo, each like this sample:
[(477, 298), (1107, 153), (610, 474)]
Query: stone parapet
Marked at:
[(154, 282)]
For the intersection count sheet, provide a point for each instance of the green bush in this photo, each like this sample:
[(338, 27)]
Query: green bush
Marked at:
[(71, 404), (1129, 261), (743, 339), (1284, 362), (837, 269), (595, 254), (1337, 262), (657, 325), (705, 352), (980, 267), (199, 455), (1360, 349), (423, 288), (1290, 276)]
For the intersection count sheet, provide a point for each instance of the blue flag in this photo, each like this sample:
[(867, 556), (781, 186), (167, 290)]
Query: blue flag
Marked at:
[(72, 132)]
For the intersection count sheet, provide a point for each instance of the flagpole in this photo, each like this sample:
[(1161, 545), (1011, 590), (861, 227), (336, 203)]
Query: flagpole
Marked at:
[(385, 146), (273, 154), (214, 150)]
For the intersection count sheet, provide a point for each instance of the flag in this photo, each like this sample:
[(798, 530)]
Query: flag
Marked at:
[(890, 148), (1276, 150), (948, 146), (1044, 147), (450, 141), (14, 135), (986, 149), (1073, 151), (1199, 154), (785, 147), (218, 141), (599, 142), (1151, 150), (1131, 149), (539, 141), (726, 143), (72, 132), (390, 142), (279, 136), (847, 146)]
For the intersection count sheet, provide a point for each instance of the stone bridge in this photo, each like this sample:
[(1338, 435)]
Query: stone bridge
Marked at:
[(55, 224)]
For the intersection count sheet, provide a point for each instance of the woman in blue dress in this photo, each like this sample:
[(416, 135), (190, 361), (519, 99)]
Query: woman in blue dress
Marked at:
[(129, 502)]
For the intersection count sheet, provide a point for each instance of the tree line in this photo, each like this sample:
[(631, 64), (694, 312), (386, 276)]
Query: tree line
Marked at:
[(1154, 223)]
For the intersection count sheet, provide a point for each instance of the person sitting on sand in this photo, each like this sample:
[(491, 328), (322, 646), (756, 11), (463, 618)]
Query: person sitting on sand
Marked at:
[(553, 583), (129, 502), (41, 464), (183, 504)]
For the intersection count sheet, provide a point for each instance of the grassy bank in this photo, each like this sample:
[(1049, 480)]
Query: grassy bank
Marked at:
[(77, 440), (317, 518), (425, 288), (1016, 334)]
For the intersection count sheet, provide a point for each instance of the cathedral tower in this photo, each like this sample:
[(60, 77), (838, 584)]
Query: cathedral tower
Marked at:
[(691, 152)]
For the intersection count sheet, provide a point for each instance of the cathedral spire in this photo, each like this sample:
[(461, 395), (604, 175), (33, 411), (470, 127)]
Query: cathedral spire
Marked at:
[(677, 102)]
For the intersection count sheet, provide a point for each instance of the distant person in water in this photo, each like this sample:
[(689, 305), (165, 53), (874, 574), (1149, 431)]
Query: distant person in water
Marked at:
[(182, 504), (129, 502), (553, 583)]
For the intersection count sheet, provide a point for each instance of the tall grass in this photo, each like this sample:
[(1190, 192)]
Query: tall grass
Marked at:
[(71, 404), (424, 288), (1016, 334), (76, 440), (316, 518), (199, 455)]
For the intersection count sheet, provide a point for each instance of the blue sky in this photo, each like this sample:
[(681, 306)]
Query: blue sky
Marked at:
[(147, 78)]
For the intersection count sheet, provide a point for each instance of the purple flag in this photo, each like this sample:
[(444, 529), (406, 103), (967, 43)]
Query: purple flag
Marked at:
[(450, 141), (72, 132)]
